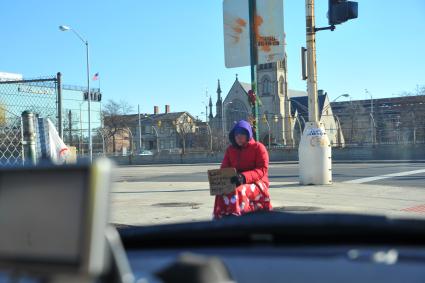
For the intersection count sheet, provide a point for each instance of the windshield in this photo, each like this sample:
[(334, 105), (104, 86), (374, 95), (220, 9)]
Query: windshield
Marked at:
[(328, 117)]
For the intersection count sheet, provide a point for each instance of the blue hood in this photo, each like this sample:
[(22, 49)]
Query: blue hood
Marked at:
[(242, 124)]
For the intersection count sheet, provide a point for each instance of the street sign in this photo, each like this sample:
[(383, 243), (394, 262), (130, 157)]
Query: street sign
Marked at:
[(269, 32)]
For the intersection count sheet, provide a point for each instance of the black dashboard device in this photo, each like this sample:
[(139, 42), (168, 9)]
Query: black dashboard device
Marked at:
[(53, 218)]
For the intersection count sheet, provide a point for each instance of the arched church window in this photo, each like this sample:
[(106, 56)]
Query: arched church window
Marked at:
[(266, 86), (281, 85)]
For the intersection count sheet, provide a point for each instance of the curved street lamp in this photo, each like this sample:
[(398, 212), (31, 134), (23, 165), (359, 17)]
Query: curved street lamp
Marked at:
[(372, 120), (268, 127), (156, 132), (86, 43), (338, 131), (342, 95), (299, 125), (209, 132)]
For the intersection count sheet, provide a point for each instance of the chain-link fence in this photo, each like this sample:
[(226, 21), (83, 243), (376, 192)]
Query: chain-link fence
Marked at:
[(35, 95), (66, 106), (349, 129), (10, 141), (75, 119)]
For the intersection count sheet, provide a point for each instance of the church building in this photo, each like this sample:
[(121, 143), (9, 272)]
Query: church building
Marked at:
[(282, 112)]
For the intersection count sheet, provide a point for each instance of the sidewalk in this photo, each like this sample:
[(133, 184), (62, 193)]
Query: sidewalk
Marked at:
[(147, 203)]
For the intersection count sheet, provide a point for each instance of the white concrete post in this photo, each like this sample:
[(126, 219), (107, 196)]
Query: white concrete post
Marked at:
[(314, 152)]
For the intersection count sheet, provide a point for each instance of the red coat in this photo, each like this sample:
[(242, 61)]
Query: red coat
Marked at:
[(252, 161)]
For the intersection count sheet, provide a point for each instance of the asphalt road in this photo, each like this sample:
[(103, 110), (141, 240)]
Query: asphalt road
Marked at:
[(400, 174)]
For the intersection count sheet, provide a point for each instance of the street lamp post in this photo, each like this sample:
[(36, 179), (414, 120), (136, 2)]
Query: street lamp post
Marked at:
[(206, 111), (276, 120), (81, 149), (268, 127), (156, 133), (130, 137), (157, 138), (211, 139), (342, 95), (209, 131), (222, 120), (140, 128), (372, 120), (372, 126), (299, 126), (338, 131), (86, 43)]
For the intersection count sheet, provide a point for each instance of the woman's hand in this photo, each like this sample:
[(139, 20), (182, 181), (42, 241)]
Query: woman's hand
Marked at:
[(238, 180)]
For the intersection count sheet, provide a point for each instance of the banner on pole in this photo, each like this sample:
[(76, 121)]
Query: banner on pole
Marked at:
[(269, 32)]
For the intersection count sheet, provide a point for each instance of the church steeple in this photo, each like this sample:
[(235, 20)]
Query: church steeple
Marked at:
[(219, 102), (210, 105), (219, 90)]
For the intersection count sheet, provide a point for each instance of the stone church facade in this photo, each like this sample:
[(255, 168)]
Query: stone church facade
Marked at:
[(282, 112)]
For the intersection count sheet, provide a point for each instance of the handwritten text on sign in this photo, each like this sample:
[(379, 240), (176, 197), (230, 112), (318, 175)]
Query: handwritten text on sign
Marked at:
[(219, 180)]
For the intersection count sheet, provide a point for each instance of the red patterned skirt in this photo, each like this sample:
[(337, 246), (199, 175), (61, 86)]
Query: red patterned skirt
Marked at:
[(246, 198)]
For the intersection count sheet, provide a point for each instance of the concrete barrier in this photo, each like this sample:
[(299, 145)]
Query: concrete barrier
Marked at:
[(381, 152)]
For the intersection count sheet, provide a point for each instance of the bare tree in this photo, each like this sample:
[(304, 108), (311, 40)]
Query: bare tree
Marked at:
[(420, 90), (185, 127), (114, 119)]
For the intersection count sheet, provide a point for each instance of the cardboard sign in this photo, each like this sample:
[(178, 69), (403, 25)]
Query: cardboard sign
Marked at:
[(219, 180)]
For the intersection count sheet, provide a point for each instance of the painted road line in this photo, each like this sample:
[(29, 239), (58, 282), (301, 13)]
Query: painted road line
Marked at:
[(282, 185), (386, 176)]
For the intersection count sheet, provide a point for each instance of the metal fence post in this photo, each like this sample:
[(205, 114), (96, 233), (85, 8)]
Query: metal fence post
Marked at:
[(28, 138), (59, 89)]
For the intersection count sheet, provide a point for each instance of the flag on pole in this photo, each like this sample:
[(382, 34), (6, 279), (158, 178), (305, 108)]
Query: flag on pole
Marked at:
[(96, 77)]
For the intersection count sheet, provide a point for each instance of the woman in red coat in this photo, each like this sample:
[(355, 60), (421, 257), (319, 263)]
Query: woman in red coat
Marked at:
[(251, 160)]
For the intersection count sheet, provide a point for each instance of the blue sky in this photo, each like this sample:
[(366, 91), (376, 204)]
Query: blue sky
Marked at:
[(169, 52)]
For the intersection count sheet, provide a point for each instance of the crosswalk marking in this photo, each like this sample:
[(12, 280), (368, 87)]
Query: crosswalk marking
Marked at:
[(386, 176)]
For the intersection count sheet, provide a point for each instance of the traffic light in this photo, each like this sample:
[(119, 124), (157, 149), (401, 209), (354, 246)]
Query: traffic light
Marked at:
[(94, 96), (341, 11)]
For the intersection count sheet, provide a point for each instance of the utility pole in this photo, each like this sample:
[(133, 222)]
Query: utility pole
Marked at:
[(254, 60), (315, 152), (311, 63), (314, 149), (140, 129), (59, 91), (372, 119), (70, 126)]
